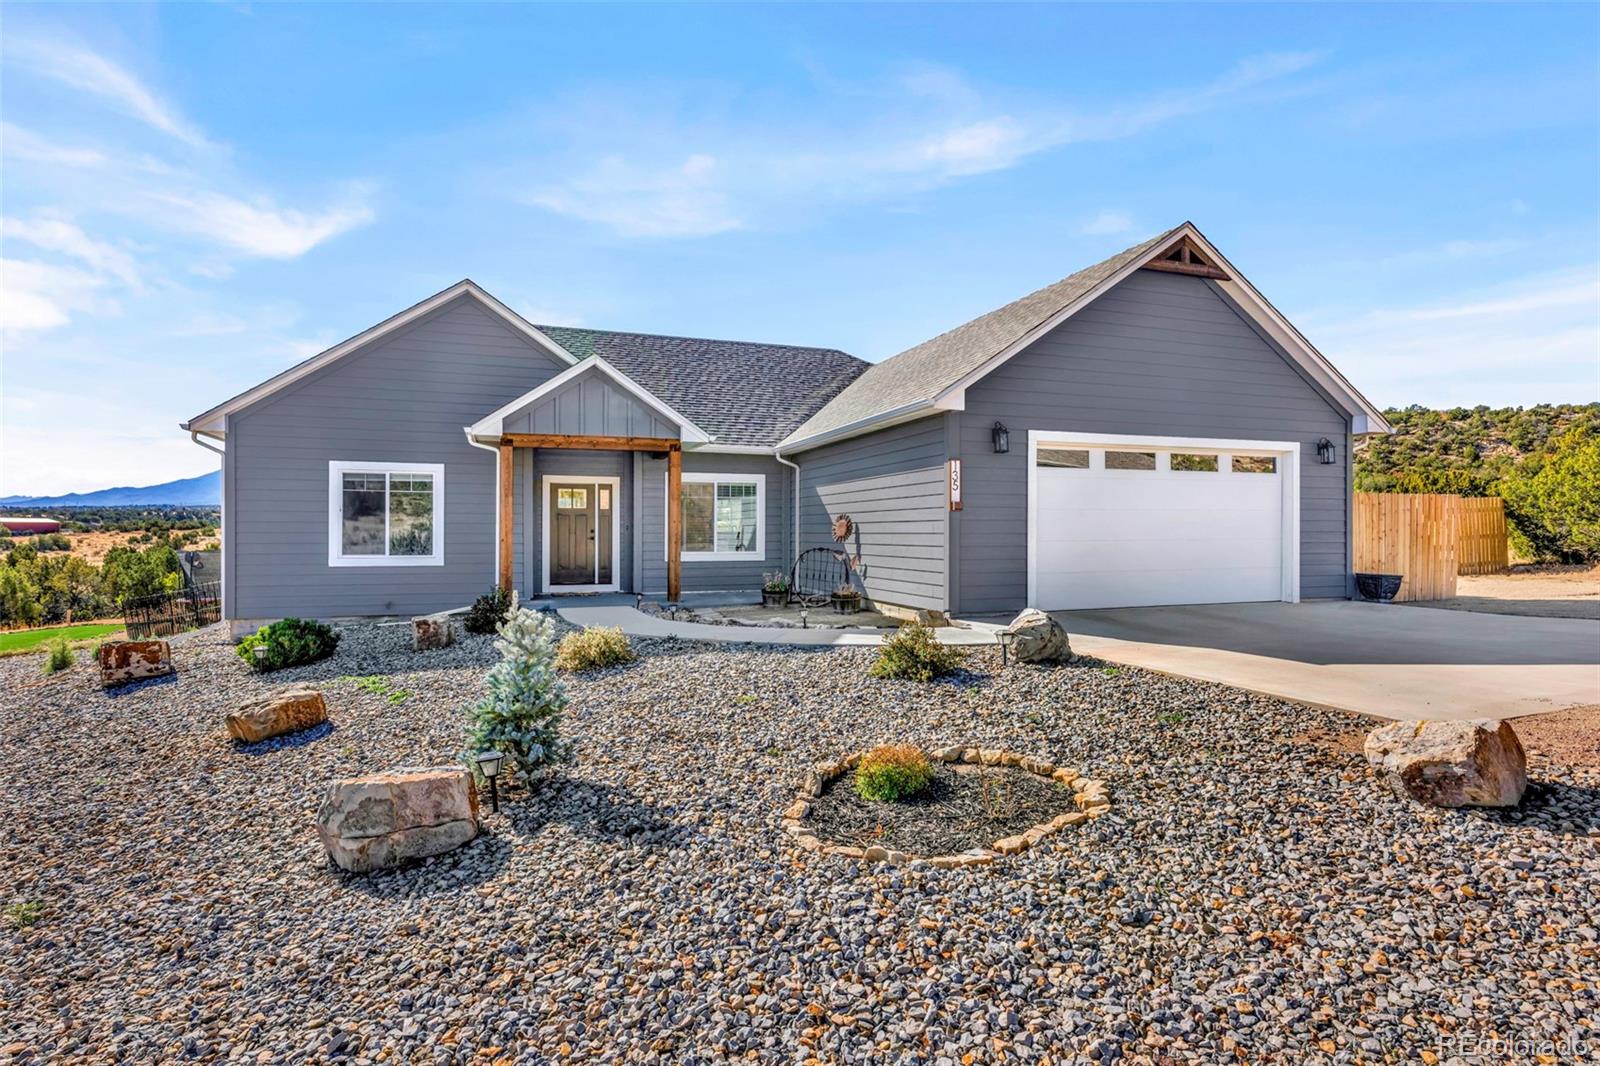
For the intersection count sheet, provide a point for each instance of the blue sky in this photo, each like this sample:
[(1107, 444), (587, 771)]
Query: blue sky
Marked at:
[(195, 197)]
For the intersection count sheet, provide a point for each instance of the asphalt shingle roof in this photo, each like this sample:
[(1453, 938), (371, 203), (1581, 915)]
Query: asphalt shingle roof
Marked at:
[(739, 392), (919, 374)]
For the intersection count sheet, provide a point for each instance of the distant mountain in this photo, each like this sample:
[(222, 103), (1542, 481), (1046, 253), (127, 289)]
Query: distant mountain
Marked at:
[(202, 491)]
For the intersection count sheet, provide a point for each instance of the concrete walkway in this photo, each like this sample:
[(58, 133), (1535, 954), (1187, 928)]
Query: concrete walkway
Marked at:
[(1385, 660), (636, 623)]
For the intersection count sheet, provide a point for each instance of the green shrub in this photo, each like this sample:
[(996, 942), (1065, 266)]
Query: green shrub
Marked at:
[(1553, 501), (593, 648), (289, 642), (893, 772), (913, 654), (57, 655), (489, 610), (521, 715)]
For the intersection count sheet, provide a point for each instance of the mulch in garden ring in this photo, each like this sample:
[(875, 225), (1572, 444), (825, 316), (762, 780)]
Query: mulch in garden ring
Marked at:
[(964, 806)]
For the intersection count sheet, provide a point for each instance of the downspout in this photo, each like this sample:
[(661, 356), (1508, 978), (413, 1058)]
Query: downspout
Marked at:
[(494, 554), (194, 435), (794, 543)]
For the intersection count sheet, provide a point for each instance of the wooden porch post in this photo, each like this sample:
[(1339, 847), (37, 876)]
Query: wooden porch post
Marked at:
[(507, 495), (674, 521)]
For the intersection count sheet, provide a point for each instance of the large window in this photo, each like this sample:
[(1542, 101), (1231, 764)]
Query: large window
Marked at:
[(385, 514), (724, 517)]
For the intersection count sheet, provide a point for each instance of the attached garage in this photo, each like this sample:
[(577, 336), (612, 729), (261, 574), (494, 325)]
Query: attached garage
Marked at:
[(1125, 521)]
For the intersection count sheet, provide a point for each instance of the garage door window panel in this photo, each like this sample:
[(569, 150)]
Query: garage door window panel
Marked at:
[(1120, 460)]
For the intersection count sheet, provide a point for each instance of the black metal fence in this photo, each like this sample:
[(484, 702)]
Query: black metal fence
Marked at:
[(173, 612)]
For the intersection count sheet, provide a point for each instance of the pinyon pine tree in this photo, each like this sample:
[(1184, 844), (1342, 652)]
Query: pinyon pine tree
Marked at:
[(521, 715)]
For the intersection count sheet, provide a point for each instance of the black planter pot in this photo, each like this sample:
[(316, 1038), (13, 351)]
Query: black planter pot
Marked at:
[(774, 599), (1380, 587), (846, 604)]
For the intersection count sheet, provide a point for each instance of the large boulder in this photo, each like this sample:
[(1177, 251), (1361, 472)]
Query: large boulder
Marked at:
[(432, 631), (383, 820), (285, 712), (122, 661), (1477, 763), (1038, 638)]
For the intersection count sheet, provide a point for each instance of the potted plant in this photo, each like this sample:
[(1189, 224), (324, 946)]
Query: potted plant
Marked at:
[(774, 589), (846, 600)]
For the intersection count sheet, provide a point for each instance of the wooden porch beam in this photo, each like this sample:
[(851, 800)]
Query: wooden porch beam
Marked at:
[(507, 509), (613, 444), (674, 522)]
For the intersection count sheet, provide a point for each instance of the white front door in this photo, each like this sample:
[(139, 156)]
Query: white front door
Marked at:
[(1131, 522)]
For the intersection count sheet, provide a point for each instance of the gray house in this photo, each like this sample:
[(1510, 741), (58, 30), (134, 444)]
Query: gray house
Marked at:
[(1149, 430)]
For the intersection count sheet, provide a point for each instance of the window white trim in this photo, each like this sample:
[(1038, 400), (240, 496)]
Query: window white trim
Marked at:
[(760, 553), (1288, 473), (587, 481), (337, 468)]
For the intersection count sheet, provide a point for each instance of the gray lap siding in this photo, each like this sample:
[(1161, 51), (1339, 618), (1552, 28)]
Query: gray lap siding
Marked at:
[(405, 399), (892, 485), (1164, 355)]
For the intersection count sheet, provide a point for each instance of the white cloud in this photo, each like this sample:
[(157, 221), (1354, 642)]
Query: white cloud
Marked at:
[(262, 228), (647, 168), (1106, 222), (19, 143), (1528, 340), (58, 235), (38, 296), (91, 73), (679, 201)]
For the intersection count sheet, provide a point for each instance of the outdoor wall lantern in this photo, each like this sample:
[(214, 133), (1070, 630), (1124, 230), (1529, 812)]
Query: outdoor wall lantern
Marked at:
[(1002, 438), (1005, 638), (1325, 451), (489, 766)]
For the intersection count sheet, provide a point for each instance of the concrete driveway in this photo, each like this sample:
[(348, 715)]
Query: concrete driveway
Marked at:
[(1386, 660)]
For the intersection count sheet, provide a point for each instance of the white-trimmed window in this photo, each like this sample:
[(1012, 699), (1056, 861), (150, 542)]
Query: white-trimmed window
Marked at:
[(385, 514), (724, 517)]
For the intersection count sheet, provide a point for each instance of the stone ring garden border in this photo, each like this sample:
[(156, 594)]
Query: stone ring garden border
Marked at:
[(1089, 797)]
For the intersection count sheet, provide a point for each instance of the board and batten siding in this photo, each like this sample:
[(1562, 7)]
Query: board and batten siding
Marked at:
[(892, 485), (713, 575), (1160, 354), (590, 405), (404, 399)]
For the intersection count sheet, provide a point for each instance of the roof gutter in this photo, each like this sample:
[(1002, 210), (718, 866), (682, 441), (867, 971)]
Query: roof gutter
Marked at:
[(194, 435), (883, 419)]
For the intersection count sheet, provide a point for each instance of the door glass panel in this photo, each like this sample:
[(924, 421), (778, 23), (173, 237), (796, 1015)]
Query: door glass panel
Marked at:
[(1069, 458), (1193, 461), (1130, 460), (602, 535)]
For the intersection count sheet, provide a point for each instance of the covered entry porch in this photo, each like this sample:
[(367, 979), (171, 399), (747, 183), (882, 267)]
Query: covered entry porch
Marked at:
[(568, 455)]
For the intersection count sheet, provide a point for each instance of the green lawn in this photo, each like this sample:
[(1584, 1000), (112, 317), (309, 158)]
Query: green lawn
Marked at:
[(28, 639)]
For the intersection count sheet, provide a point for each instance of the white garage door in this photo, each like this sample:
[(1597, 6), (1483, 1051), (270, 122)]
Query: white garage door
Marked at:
[(1137, 525)]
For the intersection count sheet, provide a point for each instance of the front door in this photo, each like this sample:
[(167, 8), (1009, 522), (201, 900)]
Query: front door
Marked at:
[(581, 534)]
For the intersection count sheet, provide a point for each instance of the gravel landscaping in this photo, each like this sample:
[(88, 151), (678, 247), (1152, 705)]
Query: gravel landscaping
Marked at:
[(1252, 895)]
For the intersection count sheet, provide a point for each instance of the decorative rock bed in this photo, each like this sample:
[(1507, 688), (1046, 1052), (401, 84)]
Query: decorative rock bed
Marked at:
[(1089, 799)]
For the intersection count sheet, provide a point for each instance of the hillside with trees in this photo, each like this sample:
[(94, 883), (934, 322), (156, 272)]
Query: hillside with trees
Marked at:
[(1544, 461)]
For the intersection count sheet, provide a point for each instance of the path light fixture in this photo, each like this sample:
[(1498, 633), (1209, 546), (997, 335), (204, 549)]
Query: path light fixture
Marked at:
[(1325, 451), (489, 766), (638, 601), (1005, 638), (804, 614), (1001, 437)]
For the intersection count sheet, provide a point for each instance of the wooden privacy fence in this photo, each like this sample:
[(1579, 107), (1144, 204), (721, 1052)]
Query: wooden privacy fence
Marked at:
[(1485, 548), (1428, 539)]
